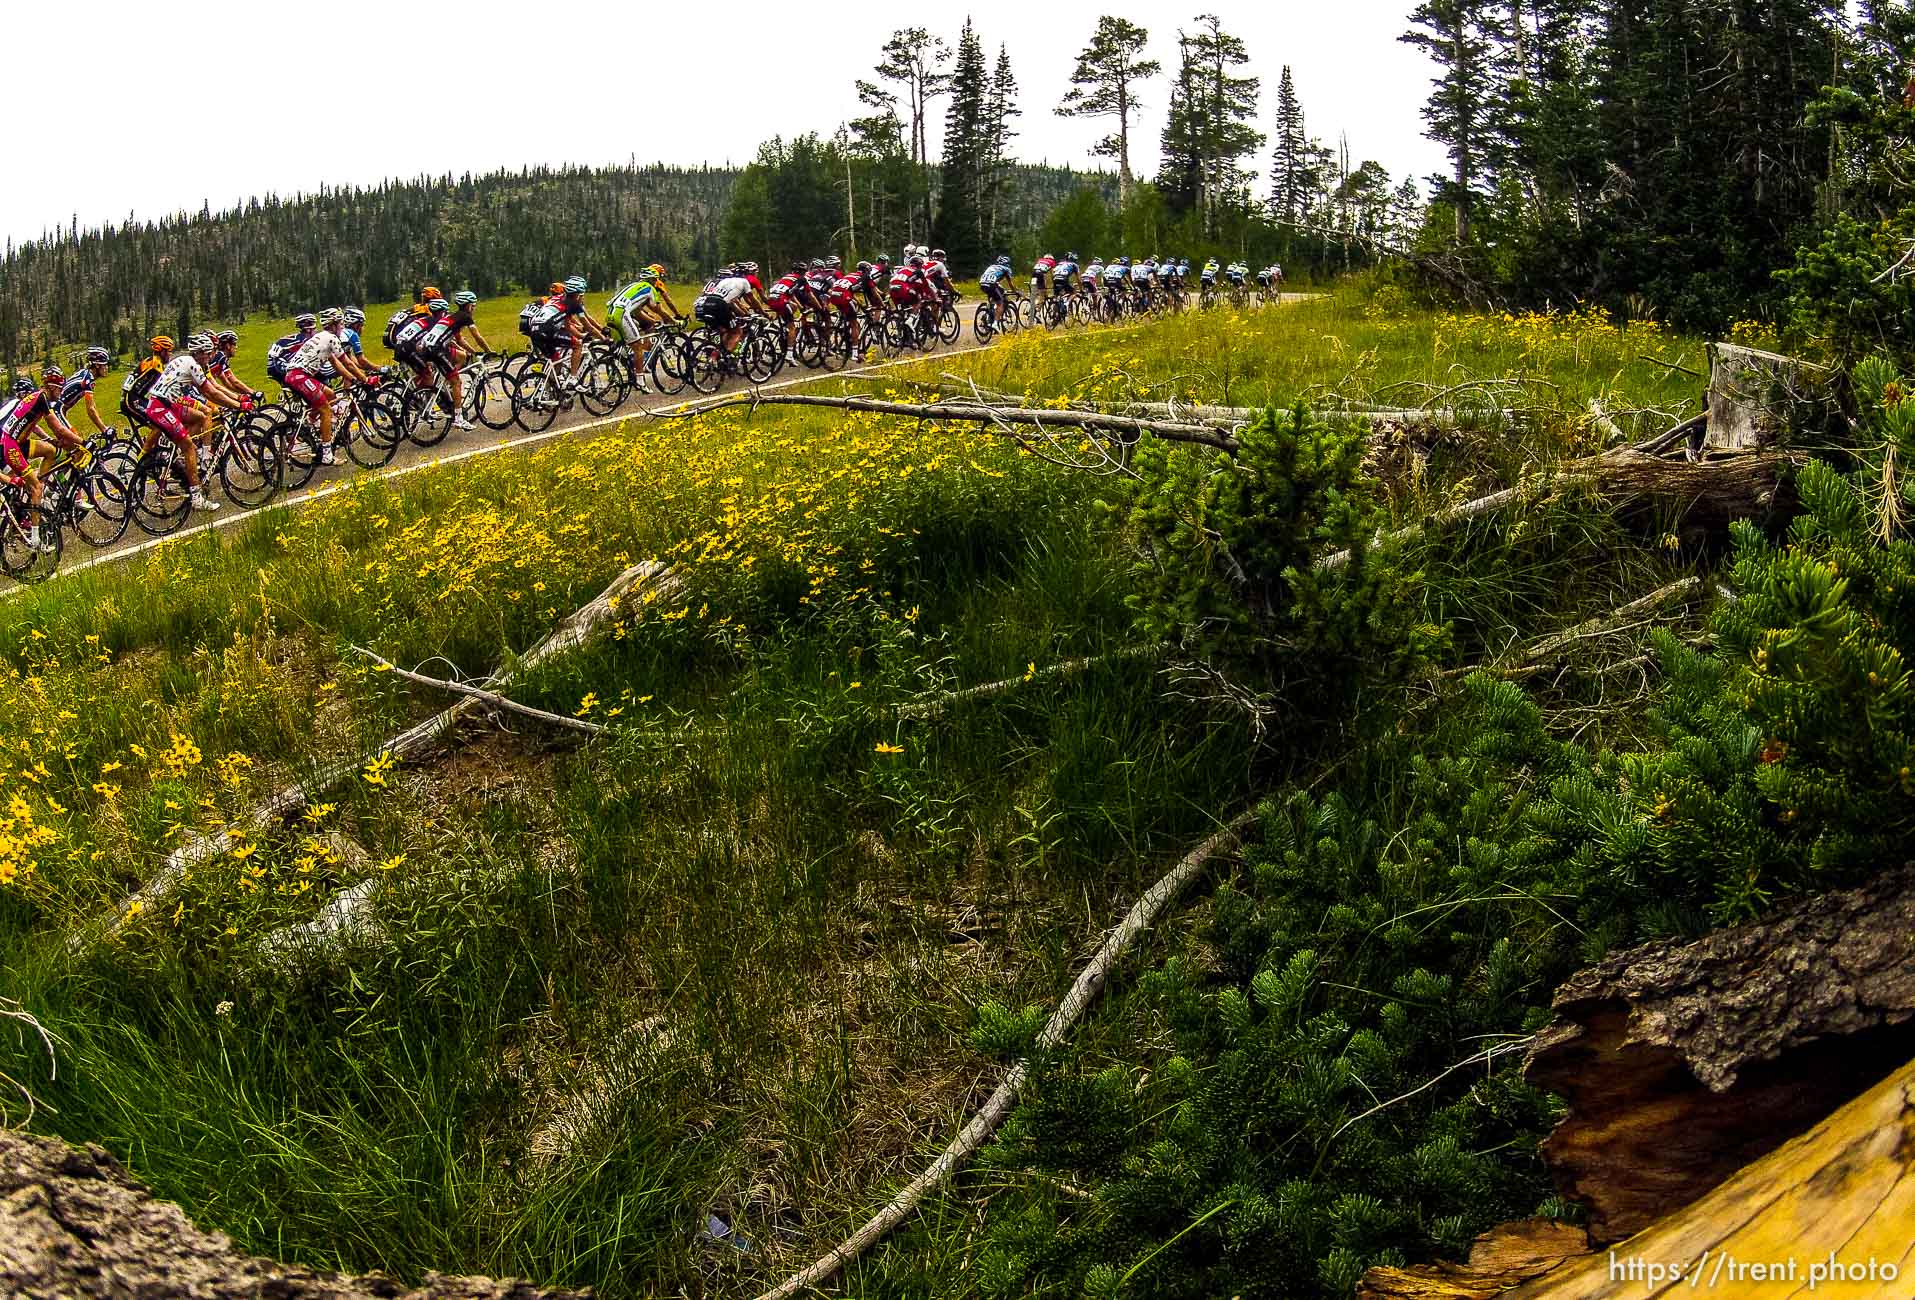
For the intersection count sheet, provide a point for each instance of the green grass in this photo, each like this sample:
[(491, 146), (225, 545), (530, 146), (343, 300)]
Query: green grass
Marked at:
[(729, 958)]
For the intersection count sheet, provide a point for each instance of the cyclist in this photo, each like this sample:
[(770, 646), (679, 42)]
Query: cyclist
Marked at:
[(1116, 278), (1143, 277), (139, 381), (578, 322), (910, 292), (279, 353), (1263, 281), (787, 294), (327, 345), (79, 388), (21, 387), (993, 280), (938, 272), (220, 376), (846, 289), (1235, 273), (1041, 278), (444, 345), (19, 449), (727, 296), (171, 409), (1093, 273), (1063, 282), (638, 309), (1276, 276), (1207, 277)]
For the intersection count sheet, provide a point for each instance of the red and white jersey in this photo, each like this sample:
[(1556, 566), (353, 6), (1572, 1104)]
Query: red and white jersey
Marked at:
[(1044, 265), (317, 351), (936, 272), (180, 380), (844, 288)]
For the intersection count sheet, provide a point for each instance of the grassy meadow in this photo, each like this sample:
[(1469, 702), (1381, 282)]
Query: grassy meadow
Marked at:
[(758, 950)]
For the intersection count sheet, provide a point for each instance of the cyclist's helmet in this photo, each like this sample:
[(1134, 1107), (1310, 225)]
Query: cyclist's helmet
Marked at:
[(817, 264), (834, 262), (354, 317), (427, 293), (797, 268), (882, 266), (199, 343), (160, 343), (226, 339), (1071, 256), (1004, 260), (865, 267), (52, 374), (748, 268), (333, 316), (657, 270), (575, 284), (1123, 261), (304, 321), (439, 304), (465, 298), (937, 255), (554, 287), (22, 386), (98, 357)]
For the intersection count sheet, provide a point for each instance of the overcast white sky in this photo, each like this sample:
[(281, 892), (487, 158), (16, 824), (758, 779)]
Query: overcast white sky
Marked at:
[(167, 123)]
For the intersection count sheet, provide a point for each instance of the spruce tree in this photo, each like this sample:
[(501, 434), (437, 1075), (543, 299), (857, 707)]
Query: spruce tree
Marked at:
[(1289, 164), (966, 146), (913, 58), (1101, 86), (1208, 131), (1000, 106)]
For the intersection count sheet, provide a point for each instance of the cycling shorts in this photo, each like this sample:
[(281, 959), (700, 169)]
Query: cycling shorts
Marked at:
[(12, 455), (631, 326), (994, 291), (842, 304), (713, 311), (165, 416), (316, 394)]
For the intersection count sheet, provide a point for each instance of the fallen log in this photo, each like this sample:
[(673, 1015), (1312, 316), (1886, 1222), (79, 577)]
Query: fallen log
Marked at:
[(74, 1223), (997, 1108), (1683, 1063), (978, 413), (929, 706), (576, 628), (1708, 494), (1506, 1256), (492, 698)]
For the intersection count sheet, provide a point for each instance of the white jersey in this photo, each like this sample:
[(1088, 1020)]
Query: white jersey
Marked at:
[(180, 380), (732, 288), (317, 352), (1095, 271), (1140, 273)]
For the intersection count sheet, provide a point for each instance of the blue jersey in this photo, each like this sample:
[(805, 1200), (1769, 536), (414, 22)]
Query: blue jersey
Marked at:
[(74, 390), (993, 273)]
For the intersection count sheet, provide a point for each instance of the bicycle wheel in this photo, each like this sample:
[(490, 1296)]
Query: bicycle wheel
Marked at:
[(602, 387), (763, 357), (837, 346), (492, 397), (535, 402), (705, 365), (983, 323), (249, 470), (100, 508), (370, 446), (25, 563), (667, 365), (427, 417), (160, 498)]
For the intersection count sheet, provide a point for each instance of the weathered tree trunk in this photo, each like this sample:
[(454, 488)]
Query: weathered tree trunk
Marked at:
[(1757, 398), (1683, 1064), (74, 1223)]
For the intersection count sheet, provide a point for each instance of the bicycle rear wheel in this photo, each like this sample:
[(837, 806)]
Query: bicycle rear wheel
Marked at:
[(705, 364), (535, 401), (249, 470), (427, 418), (602, 387), (161, 500), (492, 399), (983, 323), (24, 563), (101, 508), (667, 365)]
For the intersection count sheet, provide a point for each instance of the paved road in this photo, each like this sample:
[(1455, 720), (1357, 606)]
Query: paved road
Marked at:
[(480, 441)]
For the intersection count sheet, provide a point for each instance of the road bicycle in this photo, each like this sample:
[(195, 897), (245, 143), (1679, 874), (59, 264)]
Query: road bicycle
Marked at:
[(20, 558), (240, 453), (989, 320), (759, 354)]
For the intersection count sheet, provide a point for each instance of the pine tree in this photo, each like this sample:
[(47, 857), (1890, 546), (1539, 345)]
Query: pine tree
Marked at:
[(966, 146), (1101, 86), (1209, 129), (912, 58), (1458, 113)]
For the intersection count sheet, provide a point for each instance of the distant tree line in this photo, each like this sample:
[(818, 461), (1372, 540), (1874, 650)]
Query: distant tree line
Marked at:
[(874, 186)]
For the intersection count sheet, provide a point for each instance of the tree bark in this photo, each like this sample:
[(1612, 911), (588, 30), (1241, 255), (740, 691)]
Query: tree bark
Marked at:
[(1682, 1064), (74, 1223), (1757, 398)]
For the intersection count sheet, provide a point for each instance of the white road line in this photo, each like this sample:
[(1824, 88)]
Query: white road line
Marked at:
[(317, 494)]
